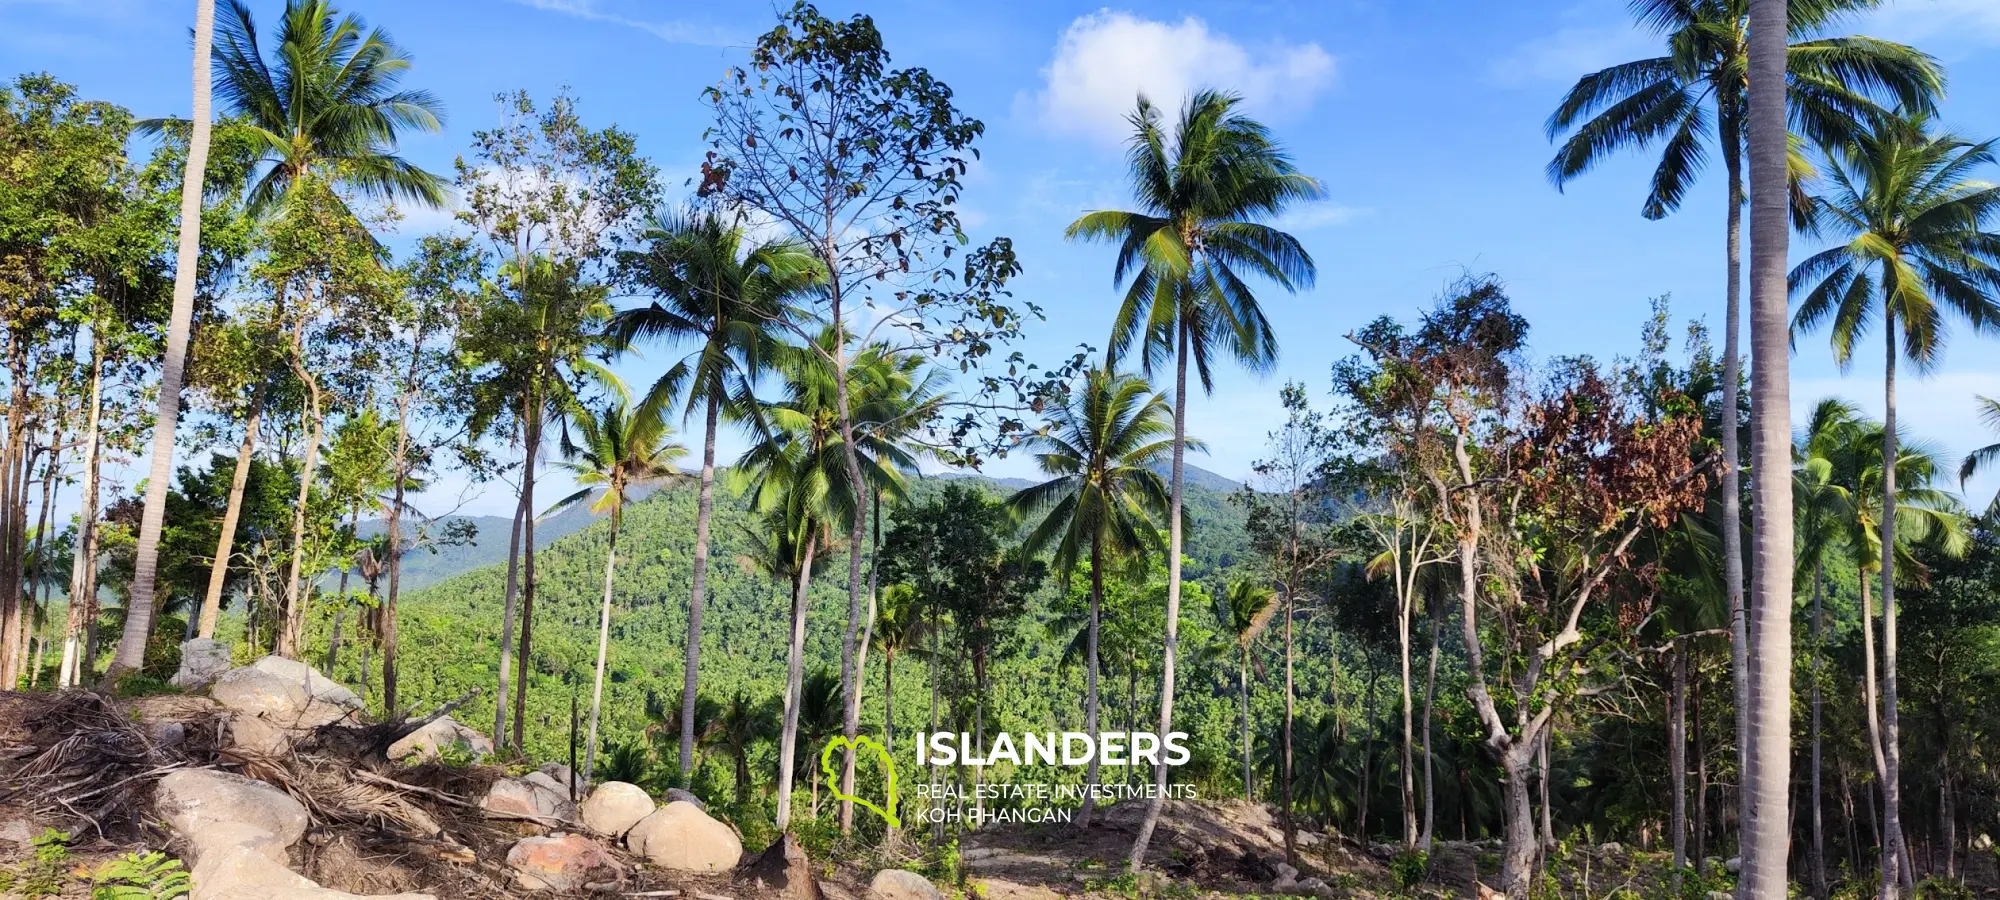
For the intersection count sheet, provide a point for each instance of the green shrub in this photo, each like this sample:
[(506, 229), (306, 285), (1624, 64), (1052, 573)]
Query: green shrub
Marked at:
[(152, 876), (1409, 868), (42, 875)]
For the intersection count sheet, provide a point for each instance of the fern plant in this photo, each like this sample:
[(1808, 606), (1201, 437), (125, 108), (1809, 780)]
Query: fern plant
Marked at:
[(140, 876)]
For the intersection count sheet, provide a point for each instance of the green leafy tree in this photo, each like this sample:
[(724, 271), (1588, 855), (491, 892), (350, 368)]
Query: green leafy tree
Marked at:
[(1918, 251), (1104, 501), (1204, 193), (620, 448), (717, 290)]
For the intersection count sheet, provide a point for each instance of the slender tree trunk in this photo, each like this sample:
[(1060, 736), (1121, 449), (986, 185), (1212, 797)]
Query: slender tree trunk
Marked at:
[(1367, 753), (1408, 774), (509, 603), (795, 661), (291, 636), (1898, 858), (13, 466), (850, 675), (1700, 777), (1092, 702), (146, 557), (1871, 698), (1243, 694), (603, 632), (704, 510), (525, 653), (1677, 754), (1136, 860), (1819, 882), (1764, 801), (385, 615), (31, 632), (232, 511), (1285, 741), (340, 610), (1517, 860), (83, 568), (1542, 762), (1430, 726)]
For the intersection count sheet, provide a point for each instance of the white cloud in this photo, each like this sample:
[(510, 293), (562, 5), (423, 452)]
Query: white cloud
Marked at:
[(1104, 60), (677, 32), (1566, 54)]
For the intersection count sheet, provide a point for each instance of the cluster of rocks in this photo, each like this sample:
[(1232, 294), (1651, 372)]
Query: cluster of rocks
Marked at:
[(238, 832)]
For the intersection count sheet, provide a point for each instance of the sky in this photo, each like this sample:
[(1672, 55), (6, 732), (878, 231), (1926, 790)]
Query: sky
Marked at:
[(1423, 119)]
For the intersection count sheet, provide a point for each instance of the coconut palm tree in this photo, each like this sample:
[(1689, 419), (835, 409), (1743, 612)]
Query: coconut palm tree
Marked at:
[(736, 726), (1917, 250), (1766, 775), (1244, 610), (131, 654), (1104, 501), (901, 627), (819, 718), (795, 472), (1695, 94), (1825, 506), (1989, 413), (718, 291), (622, 448), (1204, 196)]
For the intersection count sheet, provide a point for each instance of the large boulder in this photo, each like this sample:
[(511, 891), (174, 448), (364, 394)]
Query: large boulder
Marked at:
[(564, 863), (615, 807), (563, 775), (783, 870), (673, 794), (534, 796), (203, 660), (423, 744), (195, 801), (681, 836), (901, 884), (287, 693)]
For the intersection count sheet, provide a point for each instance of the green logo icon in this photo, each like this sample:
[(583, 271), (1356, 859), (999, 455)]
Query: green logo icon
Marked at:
[(860, 744)]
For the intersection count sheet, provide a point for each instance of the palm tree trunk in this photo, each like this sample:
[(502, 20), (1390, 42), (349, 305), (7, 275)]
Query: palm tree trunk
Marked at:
[(704, 510), (1136, 860), (232, 511), (795, 661), (524, 654), (603, 634), (1898, 858), (146, 557), (1430, 707), (1286, 822), (1765, 819), (1243, 694), (1091, 699), (83, 568), (1819, 883), (1732, 448), (1870, 696)]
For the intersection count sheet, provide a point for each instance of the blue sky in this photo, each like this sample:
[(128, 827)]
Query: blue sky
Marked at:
[(1422, 117)]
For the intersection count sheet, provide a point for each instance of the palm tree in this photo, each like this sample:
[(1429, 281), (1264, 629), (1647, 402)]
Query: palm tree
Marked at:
[(736, 726), (1696, 93), (1840, 453), (621, 449), (1989, 413), (1767, 740), (1244, 610), (819, 719), (715, 289), (327, 105), (1200, 227), (1103, 502), (1904, 198), (900, 629), (796, 472), (131, 654), (1825, 507)]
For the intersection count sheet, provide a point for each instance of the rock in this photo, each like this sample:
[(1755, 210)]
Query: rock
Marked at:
[(287, 693), (1610, 848), (259, 734), (673, 794), (16, 831), (1983, 843), (1309, 839), (1315, 887), (422, 745), (1286, 872), (166, 734), (563, 863), (194, 801), (203, 660), (534, 795), (615, 807), (1734, 865), (1002, 889), (900, 884), (782, 870), (681, 836), (571, 783)]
